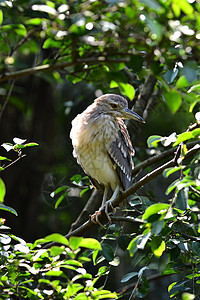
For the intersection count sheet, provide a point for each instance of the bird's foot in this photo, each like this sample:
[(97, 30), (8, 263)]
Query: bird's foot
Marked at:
[(104, 209), (95, 218)]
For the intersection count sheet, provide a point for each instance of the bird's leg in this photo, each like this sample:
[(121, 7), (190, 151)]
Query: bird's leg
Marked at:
[(109, 202), (95, 217), (105, 206), (105, 194)]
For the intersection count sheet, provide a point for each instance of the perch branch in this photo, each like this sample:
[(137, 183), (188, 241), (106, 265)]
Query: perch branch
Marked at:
[(123, 195), (49, 67)]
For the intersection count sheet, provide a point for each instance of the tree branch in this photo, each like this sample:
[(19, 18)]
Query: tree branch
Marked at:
[(156, 158), (143, 103), (124, 195), (49, 67)]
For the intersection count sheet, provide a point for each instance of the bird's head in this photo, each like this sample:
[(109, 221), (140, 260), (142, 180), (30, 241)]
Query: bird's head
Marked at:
[(116, 106)]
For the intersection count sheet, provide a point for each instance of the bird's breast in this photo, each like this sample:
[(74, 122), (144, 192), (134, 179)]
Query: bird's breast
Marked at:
[(91, 142)]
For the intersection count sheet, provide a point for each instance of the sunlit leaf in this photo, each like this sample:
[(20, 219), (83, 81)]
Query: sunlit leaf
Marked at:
[(188, 296), (113, 84), (19, 141), (153, 140), (75, 242), (50, 43), (182, 82), (160, 208), (90, 243), (58, 238), (185, 136), (173, 100), (1, 17), (4, 158), (157, 246), (193, 104), (61, 198), (2, 190), (127, 90), (167, 172), (7, 146), (45, 8), (55, 250)]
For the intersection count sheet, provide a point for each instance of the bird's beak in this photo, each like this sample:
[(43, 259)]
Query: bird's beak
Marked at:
[(129, 114)]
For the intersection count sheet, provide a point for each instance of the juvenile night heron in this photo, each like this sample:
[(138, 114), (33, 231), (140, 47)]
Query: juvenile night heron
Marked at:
[(102, 144)]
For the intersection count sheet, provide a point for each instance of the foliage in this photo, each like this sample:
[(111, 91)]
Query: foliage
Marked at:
[(30, 271), (113, 46)]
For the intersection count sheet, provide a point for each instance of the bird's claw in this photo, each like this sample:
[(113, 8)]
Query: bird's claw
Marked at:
[(95, 217)]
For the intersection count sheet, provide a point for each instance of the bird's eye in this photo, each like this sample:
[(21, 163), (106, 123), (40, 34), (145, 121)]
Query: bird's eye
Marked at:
[(114, 105)]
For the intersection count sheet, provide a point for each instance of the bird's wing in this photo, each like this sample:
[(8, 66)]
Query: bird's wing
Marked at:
[(120, 152)]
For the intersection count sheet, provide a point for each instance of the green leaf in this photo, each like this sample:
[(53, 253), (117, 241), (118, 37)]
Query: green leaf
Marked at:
[(7, 146), (190, 70), (55, 250), (157, 246), (173, 100), (193, 104), (188, 296), (182, 199), (19, 146), (50, 43), (55, 273), (34, 21), (90, 243), (1, 17), (157, 227), (170, 75), (182, 82), (185, 136), (2, 190), (186, 7), (195, 87), (19, 29), (75, 241), (58, 238), (107, 252), (84, 191), (113, 84), (167, 172), (77, 178), (4, 158), (60, 199), (133, 245), (127, 90), (8, 208), (160, 208), (153, 141), (58, 190), (128, 276)]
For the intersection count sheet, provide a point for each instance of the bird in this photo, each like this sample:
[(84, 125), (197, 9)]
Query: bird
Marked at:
[(102, 145)]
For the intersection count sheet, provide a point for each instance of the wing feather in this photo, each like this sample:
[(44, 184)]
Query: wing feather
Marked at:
[(120, 152)]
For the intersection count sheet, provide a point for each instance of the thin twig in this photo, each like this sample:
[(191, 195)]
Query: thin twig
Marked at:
[(7, 98), (48, 67), (13, 162), (126, 219), (132, 285), (156, 158)]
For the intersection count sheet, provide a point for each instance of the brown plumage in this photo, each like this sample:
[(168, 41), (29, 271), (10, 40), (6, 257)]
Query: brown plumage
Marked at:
[(102, 144)]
